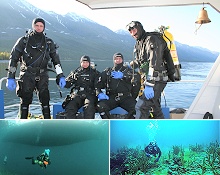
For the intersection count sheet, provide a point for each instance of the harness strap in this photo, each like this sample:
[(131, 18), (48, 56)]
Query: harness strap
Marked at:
[(120, 94)]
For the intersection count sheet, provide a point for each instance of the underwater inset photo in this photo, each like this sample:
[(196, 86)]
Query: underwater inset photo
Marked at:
[(52, 147), (162, 147)]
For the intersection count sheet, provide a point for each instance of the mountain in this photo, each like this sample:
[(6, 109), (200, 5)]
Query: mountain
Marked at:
[(188, 53), (77, 35)]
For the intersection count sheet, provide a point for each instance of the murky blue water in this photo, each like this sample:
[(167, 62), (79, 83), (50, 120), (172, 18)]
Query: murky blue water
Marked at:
[(76, 147)]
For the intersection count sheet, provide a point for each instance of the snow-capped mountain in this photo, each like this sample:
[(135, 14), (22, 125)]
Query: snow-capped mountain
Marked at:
[(76, 35)]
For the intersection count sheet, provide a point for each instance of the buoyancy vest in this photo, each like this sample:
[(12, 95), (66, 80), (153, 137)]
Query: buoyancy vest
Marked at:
[(82, 79), (40, 56), (131, 78)]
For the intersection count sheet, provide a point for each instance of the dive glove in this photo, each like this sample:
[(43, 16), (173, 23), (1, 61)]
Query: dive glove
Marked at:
[(62, 82), (11, 84), (149, 92), (103, 96), (117, 74)]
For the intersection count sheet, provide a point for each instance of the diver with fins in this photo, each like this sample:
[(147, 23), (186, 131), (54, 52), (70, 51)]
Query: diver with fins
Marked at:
[(152, 149), (43, 160)]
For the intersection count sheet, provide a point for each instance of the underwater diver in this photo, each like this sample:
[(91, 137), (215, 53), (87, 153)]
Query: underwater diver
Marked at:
[(43, 160), (153, 150)]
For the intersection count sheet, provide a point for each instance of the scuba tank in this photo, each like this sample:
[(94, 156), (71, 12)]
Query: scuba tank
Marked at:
[(168, 37)]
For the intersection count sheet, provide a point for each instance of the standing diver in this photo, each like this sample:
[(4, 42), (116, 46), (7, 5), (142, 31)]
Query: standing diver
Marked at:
[(43, 160), (34, 52), (152, 150), (151, 57)]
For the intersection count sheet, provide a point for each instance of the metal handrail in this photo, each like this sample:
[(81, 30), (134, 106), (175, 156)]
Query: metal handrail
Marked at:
[(13, 105), (1, 80), (53, 79), (5, 78)]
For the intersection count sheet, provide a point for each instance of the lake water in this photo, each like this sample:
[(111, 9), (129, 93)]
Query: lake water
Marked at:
[(76, 147), (177, 95)]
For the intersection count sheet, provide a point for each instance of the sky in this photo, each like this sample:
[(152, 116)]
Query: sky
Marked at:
[(180, 19)]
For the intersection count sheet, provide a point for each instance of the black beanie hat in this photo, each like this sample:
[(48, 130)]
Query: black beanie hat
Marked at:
[(117, 54), (38, 20), (84, 58)]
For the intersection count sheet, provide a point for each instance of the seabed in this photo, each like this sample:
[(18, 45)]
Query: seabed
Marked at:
[(192, 160)]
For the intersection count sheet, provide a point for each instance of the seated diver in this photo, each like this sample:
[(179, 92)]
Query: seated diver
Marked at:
[(153, 150), (43, 159)]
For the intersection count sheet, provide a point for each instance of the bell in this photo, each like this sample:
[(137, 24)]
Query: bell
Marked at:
[(203, 17)]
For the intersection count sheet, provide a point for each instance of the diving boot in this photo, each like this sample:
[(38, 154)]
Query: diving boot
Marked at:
[(105, 115), (23, 113), (46, 112)]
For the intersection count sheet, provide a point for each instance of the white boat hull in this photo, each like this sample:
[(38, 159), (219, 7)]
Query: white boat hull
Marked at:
[(208, 98)]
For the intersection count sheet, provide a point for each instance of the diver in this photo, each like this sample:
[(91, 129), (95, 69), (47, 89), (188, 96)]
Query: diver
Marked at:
[(151, 57), (82, 94), (43, 160), (34, 52), (153, 150)]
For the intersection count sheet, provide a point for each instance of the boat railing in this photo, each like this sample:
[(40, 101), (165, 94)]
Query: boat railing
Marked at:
[(57, 106), (2, 107), (5, 78)]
